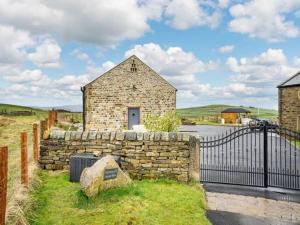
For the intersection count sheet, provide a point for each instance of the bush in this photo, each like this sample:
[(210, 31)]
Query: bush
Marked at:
[(167, 122)]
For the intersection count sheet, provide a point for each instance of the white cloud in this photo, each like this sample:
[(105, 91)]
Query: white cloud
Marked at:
[(226, 49), (26, 76), (97, 21), (81, 55), (185, 14), (265, 71), (171, 61), (265, 19), (35, 86), (223, 3), (297, 62), (13, 43), (183, 70), (47, 55)]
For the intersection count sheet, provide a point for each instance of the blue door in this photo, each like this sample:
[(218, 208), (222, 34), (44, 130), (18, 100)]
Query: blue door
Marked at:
[(133, 117)]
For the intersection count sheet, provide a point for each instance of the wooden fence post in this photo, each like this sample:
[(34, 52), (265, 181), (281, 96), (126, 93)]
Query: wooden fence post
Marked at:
[(24, 159), (47, 122), (3, 183), (43, 128), (35, 142)]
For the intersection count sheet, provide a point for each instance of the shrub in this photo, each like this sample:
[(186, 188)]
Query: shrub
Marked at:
[(167, 122)]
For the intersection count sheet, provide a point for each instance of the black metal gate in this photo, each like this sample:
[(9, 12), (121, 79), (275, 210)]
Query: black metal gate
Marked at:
[(262, 156)]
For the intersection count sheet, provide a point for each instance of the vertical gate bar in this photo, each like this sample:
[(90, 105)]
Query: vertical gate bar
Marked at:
[(226, 157), (207, 161), (222, 167), (284, 173), (290, 173), (230, 155), (218, 159), (234, 160), (265, 156), (271, 161), (238, 156), (247, 157), (255, 171), (295, 161)]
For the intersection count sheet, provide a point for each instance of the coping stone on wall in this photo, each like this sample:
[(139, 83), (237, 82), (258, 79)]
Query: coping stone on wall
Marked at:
[(140, 136), (173, 136), (157, 136), (68, 135), (164, 136), (147, 136), (92, 135), (85, 135), (130, 136), (78, 135), (106, 135), (112, 135), (99, 135), (120, 136)]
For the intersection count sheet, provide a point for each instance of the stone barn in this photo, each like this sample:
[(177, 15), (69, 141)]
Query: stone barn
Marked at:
[(289, 103), (124, 96)]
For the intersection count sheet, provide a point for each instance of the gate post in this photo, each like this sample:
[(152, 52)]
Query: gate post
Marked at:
[(265, 155)]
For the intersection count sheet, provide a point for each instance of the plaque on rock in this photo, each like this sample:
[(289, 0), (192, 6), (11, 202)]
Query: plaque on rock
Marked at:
[(103, 175), (110, 174)]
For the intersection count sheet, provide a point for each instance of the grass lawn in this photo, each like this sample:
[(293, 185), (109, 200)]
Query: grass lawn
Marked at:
[(59, 201)]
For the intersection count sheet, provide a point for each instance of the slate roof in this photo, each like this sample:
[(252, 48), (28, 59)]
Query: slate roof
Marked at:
[(236, 110), (292, 81)]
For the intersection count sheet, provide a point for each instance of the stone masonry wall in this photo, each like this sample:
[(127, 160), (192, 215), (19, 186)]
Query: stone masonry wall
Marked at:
[(107, 99), (289, 107), (143, 155)]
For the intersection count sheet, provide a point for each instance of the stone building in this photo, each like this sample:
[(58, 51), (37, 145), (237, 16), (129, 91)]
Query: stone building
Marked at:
[(289, 103), (125, 95)]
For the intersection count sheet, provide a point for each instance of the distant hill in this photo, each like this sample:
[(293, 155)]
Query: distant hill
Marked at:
[(71, 108), (12, 108), (216, 109)]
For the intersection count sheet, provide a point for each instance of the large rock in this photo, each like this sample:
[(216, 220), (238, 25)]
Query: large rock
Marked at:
[(103, 175)]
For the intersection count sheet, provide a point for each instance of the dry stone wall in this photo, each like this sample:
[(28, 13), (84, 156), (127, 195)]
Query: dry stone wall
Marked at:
[(143, 155)]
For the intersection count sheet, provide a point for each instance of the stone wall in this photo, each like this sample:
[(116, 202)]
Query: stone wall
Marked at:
[(143, 155), (289, 107), (107, 99)]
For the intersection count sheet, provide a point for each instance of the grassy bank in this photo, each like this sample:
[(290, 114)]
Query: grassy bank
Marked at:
[(60, 202)]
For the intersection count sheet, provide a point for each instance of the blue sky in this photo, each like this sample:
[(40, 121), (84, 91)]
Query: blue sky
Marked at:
[(213, 51)]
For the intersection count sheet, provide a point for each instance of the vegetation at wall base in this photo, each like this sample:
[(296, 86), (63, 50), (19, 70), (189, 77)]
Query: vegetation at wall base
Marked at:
[(151, 202)]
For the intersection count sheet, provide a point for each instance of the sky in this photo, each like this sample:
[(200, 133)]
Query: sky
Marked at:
[(213, 51)]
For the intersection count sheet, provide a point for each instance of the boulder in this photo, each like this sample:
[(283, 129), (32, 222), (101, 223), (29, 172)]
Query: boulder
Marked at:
[(103, 175)]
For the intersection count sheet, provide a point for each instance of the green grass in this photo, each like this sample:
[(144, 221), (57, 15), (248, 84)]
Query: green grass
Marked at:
[(12, 108), (10, 129), (216, 110), (149, 202)]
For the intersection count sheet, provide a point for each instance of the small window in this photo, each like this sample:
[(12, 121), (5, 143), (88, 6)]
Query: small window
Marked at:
[(133, 67)]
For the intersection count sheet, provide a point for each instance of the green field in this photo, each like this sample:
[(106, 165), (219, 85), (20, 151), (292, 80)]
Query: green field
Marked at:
[(12, 108), (155, 202), (211, 110)]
